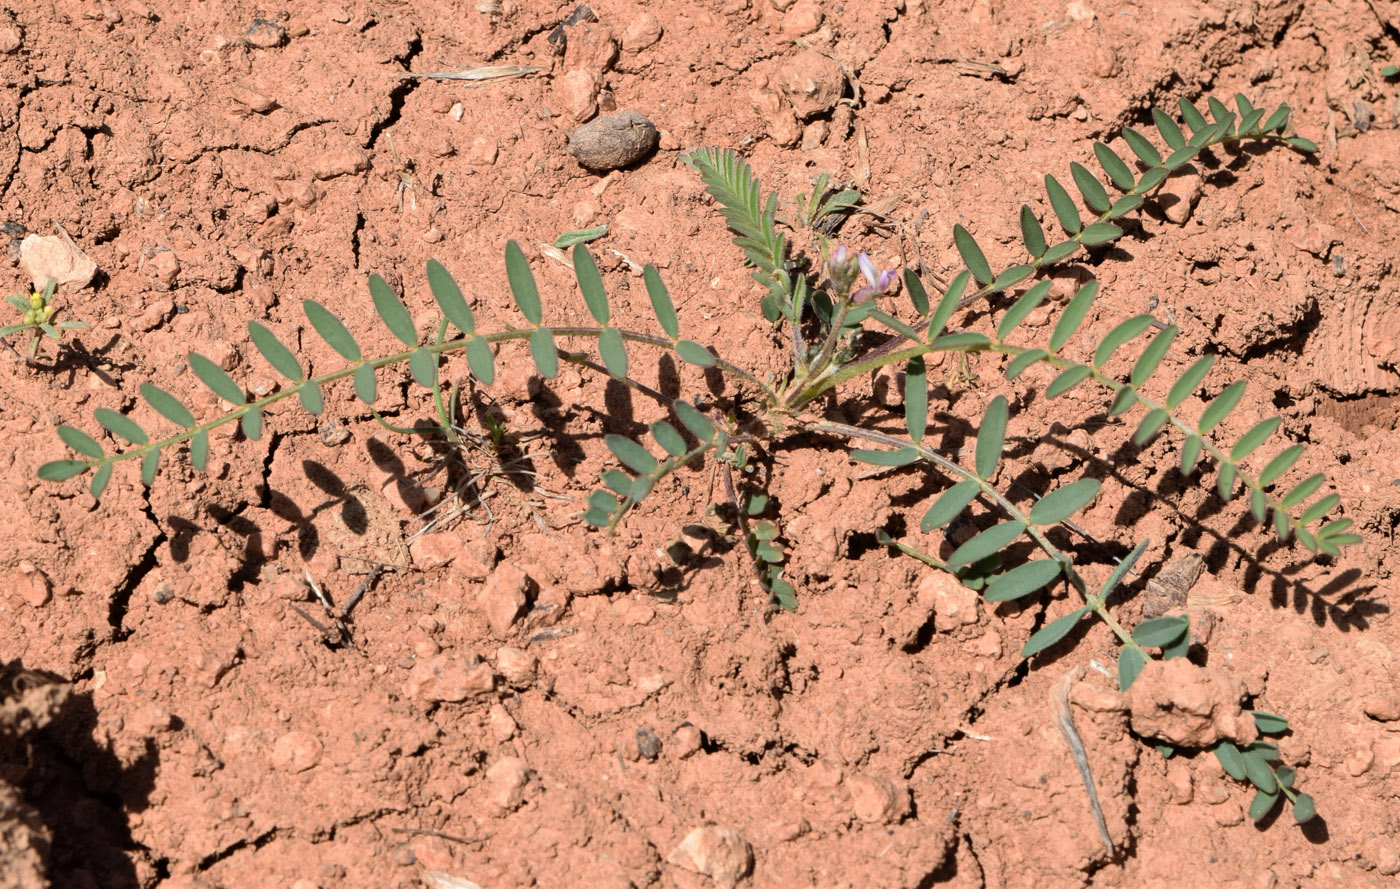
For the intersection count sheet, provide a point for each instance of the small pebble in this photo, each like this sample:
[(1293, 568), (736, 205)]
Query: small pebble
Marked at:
[(264, 34), (648, 744), (613, 141)]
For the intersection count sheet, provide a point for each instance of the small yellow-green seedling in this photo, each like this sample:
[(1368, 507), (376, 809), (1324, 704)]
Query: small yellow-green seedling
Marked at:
[(38, 310)]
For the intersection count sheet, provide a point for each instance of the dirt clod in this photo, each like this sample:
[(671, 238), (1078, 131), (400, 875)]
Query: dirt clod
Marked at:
[(613, 141), (1183, 704), (717, 852)]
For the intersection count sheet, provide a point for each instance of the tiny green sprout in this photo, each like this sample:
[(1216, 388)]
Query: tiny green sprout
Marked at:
[(1390, 71), (38, 310)]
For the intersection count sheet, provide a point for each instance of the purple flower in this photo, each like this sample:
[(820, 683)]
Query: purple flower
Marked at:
[(877, 281)]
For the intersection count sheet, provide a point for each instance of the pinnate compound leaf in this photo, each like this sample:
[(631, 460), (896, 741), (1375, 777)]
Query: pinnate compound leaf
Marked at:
[(1023, 580), (897, 457), (1221, 406), (991, 436), (1100, 233), (167, 405), (692, 352), (1032, 233), (1280, 464), (1114, 166), (1090, 187), (423, 364), (1119, 335), (661, 304), (633, 455), (251, 424), (1073, 315), (1171, 133), (1252, 439), (1022, 307), (213, 376), (989, 542), (1231, 759), (277, 355), (481, 360), (199, 450), (1017, 366), (1063, 205), (695, 421), (522, 283), (150, 465), (366, 388), (972, 255), (123, 426), (1159, 632), (59, 470), (311, 398), (1064, 501), (543, 352), (613, 351), (949, 504), (1142, 147), (1189, 381), (1152, 356), (1067, 380), (81, 442), (331, 329), (947, 305), (1052, 632), (100, 478), (1130, 664), (392, 311), (1300, 492), (449, 298), (915, 399), (591, 284)]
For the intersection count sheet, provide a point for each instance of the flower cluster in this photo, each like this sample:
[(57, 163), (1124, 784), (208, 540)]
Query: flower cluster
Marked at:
[(843, 272)]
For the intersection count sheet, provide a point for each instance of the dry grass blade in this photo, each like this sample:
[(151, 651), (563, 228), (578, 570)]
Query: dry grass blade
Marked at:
[(480, 75)]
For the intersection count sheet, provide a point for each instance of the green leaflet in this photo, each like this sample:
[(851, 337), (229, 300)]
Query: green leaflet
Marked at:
[(949, 504), (1143, 148), (1064, 501), (1130, 664), (1052, 632), (1012, 276), (1059, 252), (613, 351), (670, 440), (1300, 492), (167, 405), (661, 303), (100, 478), (365, 385), (947, 305), (81, 442), (633, 456), (1022, 307), (1221, 406), (1100, 233), (1194, 119), (522, 284), (1118, 172), (1231, 759), (1017, 366), (1319, 509), (125, 427), (423, 364), (1090, 187), (1149, 426), (1189, 381), (1152, 356), (277, 355), (311, 399), (993, 540), (915, 399), (1063, 205), (60, 470), (692, 419), (213, 376), (199, 450), (591, 284), (449, 298), (1160, 632), (972, 255), (694, 353), (1073, 315), (1067, 380), (1190, 453), (1120, 335), (481, 360), (392, 311), (1023, 580), (991, 436), (251, 424), (1280, 464), (1171, 133), (150, 465), (1254, 438), (331, 329), (1031, 233), (917, 294), (1151, 179), (543, 352), (580, 236)]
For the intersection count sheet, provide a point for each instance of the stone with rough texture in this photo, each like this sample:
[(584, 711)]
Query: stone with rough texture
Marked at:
[(1190, 706), (44, 257), (717, 852), (613, 141)]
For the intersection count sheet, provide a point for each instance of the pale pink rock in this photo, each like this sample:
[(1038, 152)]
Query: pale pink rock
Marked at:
[(640, 33), (340, 159), (503, 597), (954, 605), (578, 89), (505, 783), (717, 852), (449, 678), (518, 668), (296, 751), (45, 257), (812, 83), (878, 800), (801, 19)]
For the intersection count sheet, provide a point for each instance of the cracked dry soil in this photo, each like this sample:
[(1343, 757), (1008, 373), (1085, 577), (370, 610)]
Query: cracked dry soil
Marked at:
[(523, 702)]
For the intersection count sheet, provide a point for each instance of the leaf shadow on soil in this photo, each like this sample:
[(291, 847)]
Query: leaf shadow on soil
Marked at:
[(84, 794)]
